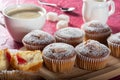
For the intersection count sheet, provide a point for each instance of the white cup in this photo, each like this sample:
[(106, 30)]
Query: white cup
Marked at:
[(18, 27), (97, 10)]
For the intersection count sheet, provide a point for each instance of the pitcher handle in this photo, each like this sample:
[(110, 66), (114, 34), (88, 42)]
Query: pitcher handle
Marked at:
[(111, 3), (1, 17)]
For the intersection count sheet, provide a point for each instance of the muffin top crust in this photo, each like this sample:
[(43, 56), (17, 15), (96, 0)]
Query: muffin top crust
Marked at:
[(59, 51), (69, 33), (92, 49), (96, 27), (115, 38), (38, 37)]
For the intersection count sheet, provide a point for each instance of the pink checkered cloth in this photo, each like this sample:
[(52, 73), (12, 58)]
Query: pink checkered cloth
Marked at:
[(50, 27)]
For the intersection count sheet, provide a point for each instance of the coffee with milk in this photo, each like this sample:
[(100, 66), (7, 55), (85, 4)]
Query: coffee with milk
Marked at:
[(25, 13)]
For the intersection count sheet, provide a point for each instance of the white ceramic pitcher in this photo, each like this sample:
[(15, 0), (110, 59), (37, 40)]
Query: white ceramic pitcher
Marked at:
[(97, 10)]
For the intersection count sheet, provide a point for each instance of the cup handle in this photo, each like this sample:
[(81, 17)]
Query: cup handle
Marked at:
[(111, 3), (1, 17)]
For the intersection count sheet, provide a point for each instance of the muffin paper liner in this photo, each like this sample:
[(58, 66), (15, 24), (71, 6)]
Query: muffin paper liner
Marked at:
[(101, 37), (91, 63), (115, 49), (18, 75), (60, 66)]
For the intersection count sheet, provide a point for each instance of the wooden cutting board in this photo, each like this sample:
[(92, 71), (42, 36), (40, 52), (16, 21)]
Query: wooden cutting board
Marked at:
[(113, 67), (111, 70)]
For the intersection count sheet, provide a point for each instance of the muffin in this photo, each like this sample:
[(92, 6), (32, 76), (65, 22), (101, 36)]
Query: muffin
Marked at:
[(59, 57), (92, 55), (27, 60), (4, 62), (37, 40), (114, 44), (72, 36), (96, 31)]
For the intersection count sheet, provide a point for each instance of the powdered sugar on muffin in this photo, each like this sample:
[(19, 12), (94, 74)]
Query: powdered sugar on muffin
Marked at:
[(93, 49), (95, 26), (39, 37), (70, 32), (59, 51), (115, 38)]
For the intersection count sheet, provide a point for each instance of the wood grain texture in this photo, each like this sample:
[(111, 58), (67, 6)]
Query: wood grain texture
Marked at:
[(80, 74)]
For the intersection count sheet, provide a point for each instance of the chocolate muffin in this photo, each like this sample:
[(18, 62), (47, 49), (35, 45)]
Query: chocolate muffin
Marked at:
[(59, 57), (92, 55), (72, 36), (37, 39), (96, 31), (114, 44)]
